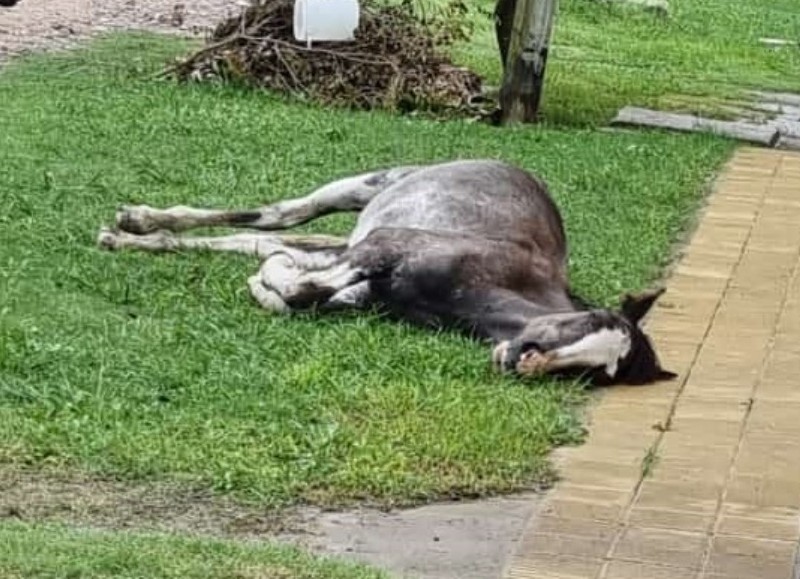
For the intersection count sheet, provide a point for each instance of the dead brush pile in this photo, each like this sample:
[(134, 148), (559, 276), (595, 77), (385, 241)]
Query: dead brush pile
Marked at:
[(396, 62)]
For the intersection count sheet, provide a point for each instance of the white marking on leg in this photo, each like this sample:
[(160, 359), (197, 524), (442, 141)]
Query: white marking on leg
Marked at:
[(158, 241), (292, 281), (604, 348), (348, 194), (280, 273), (500, 354), (261, 245), (144, 219), (267, 298), (343, 195)]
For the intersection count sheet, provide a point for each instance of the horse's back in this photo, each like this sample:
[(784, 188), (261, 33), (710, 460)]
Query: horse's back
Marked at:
[(482, 198)]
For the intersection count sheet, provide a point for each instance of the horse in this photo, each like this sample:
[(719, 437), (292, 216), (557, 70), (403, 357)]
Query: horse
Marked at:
[(476, 246)]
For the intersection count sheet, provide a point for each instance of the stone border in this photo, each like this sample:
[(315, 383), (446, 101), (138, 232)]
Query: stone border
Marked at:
[(772, 120)]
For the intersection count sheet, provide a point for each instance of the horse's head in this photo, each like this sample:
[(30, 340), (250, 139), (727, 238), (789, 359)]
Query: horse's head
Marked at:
[(609, 347)]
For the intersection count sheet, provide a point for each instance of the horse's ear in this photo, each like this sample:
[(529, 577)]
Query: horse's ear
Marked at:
[(666, 375), (635, 307)]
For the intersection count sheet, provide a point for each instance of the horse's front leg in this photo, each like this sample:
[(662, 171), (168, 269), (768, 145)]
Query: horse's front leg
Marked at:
[(335, 286)]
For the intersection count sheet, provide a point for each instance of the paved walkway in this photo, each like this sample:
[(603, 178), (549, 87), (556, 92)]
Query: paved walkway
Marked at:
[(699, 478)]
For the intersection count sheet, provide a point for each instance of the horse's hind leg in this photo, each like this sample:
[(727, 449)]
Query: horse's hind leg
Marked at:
[(285, 257), (351, 194), (323, 248)]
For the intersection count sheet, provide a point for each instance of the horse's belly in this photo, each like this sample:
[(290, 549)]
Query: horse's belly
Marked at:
[(485, 199)]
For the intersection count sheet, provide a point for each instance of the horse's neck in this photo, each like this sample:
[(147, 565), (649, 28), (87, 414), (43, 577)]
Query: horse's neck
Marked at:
[(499, 315)]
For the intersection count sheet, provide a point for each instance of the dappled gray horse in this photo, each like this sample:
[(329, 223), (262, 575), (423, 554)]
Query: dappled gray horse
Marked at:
[(477, 246)]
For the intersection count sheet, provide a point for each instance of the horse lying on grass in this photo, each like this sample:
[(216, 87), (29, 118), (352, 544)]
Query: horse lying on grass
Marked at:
[(476, 246)]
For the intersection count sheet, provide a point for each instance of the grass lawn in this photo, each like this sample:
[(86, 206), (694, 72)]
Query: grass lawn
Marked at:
[(608, 55), (58, 552), (162, 367)]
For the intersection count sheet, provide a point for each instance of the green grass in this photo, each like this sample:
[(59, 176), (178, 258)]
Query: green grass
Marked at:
[(161, 367), (608, 56), (60, 553)]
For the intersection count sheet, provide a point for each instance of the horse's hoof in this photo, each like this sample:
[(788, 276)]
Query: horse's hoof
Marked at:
[(107, 239), (135, 219)]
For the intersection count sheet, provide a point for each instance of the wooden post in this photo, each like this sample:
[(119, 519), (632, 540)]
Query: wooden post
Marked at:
[(526, 59), (504, 13)]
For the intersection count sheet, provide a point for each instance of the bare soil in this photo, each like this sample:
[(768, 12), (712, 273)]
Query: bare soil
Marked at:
[(458, 540), (35, 25)]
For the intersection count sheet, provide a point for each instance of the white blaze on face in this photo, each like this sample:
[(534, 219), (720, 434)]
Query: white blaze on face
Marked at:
[(604, 348)]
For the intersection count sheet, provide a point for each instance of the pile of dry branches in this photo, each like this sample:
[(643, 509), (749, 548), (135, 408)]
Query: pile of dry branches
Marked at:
[(396, 62)]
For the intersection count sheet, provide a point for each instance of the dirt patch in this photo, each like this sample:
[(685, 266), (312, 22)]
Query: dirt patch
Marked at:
[(34, 25), (459, 540), (107, 504)]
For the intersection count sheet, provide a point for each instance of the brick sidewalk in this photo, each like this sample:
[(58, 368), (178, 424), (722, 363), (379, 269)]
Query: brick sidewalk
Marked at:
[(699, 478)]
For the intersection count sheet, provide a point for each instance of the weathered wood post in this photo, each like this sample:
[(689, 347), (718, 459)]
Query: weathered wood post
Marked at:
[(525, 55), (503, 26)]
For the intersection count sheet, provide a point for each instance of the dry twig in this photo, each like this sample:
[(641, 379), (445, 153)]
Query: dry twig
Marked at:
[(395, 62)]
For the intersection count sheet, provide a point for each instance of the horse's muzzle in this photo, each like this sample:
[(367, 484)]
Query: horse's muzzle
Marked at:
[(512, 359)]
